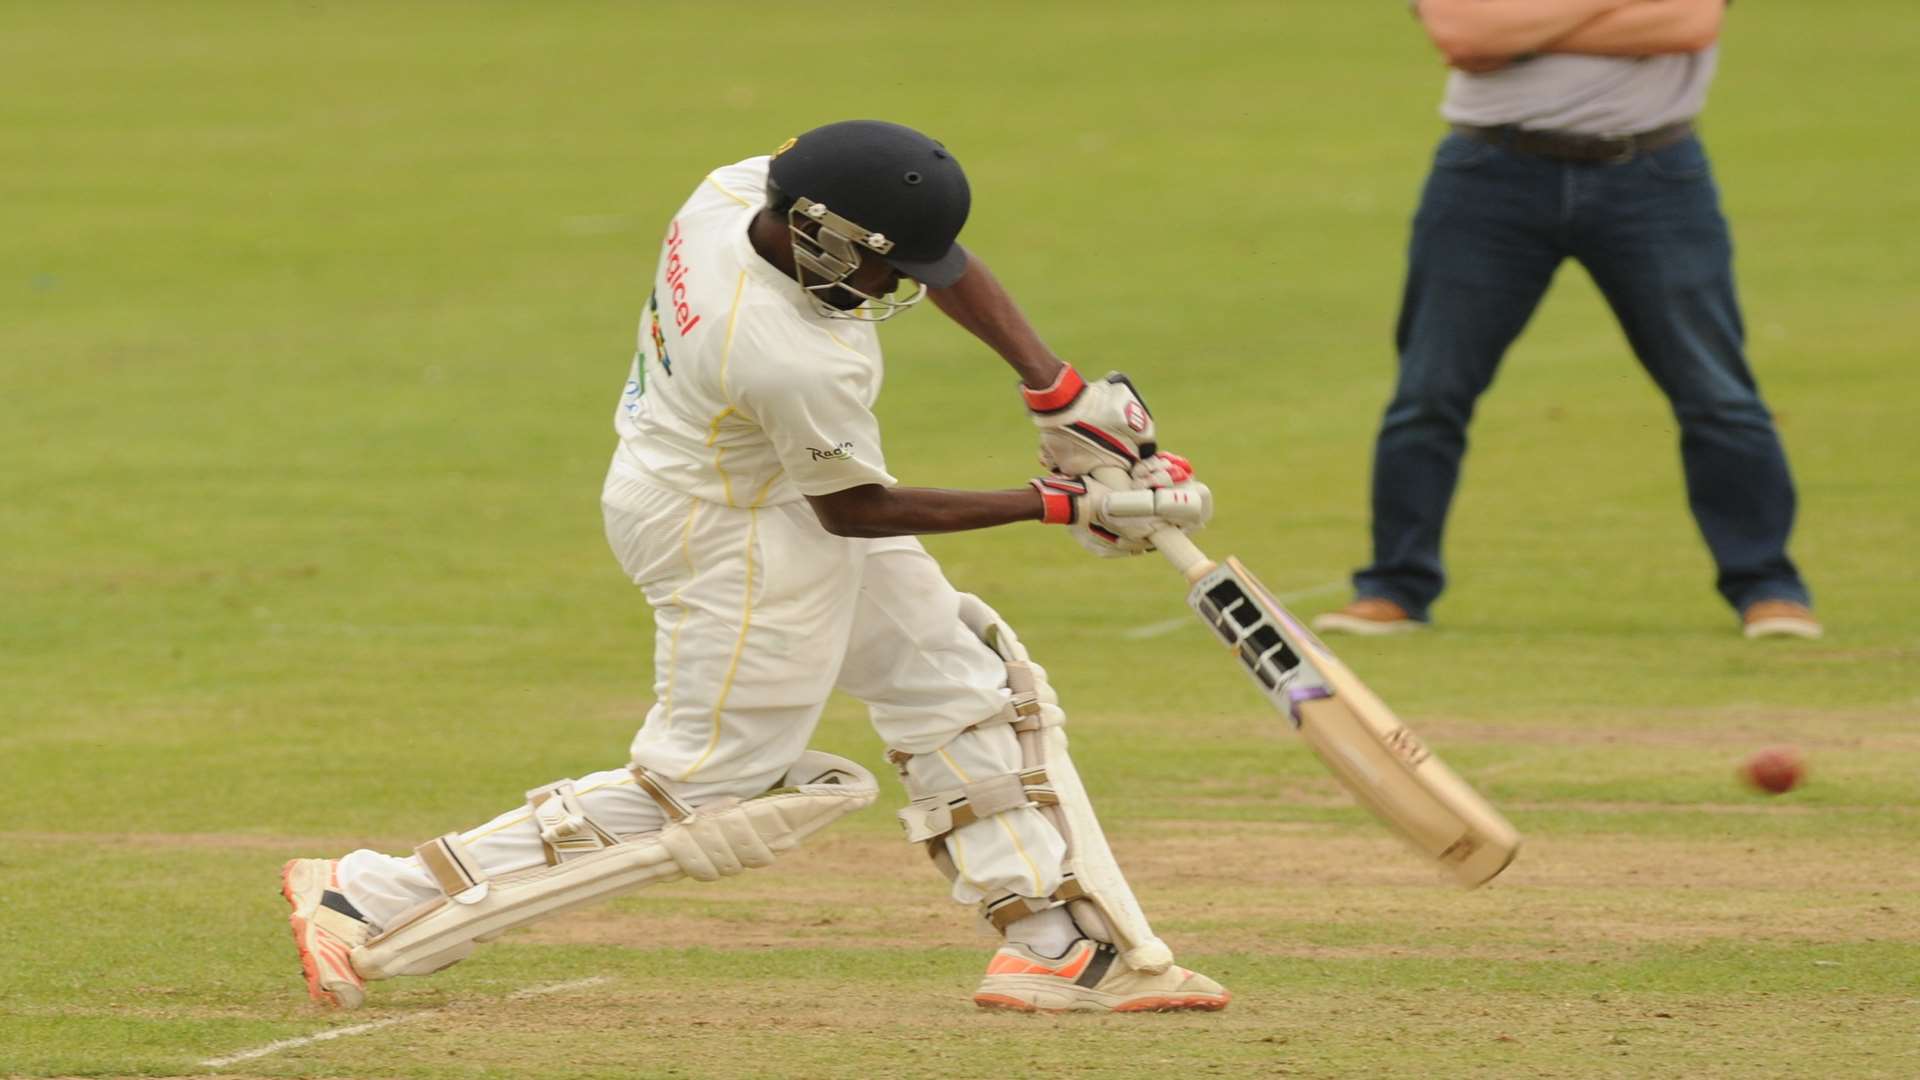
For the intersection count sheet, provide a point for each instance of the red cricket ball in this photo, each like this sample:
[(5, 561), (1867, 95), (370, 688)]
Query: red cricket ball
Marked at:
[(1775, 770)]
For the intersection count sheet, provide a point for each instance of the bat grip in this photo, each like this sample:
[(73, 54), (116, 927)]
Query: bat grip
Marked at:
[(1183, 553)]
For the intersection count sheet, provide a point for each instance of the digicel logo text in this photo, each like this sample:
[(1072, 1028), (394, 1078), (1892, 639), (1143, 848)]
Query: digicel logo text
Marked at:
[(683, 316)]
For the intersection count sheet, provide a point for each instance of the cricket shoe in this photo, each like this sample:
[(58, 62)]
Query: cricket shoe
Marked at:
[(1089, 978), (1779, 618), (1371, 615), (326, 930)]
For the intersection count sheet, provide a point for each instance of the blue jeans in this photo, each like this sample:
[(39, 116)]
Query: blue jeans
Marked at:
[(1492, 228)]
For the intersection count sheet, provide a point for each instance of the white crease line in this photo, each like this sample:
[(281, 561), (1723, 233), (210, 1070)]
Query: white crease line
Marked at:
[(1168, 626), (557, 988), (1157, 629), (361, 1029), (288, 1044)]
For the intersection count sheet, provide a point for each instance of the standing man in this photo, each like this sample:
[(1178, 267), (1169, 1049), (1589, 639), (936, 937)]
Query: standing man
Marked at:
[(750, 501), (1572, 136)]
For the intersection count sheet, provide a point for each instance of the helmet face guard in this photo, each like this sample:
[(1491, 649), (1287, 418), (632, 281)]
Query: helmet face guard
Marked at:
[(827, 250)]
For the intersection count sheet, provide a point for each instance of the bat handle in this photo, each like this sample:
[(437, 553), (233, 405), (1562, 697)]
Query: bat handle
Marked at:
[(1183, 553)]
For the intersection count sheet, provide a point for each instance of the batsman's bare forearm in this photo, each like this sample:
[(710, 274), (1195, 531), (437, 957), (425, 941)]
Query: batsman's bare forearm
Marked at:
[(1647, 28), (981, 305), (1472, 31), (871, 511)]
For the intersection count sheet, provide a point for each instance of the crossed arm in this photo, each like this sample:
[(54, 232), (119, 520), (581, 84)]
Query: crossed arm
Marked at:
[(1482, 34)]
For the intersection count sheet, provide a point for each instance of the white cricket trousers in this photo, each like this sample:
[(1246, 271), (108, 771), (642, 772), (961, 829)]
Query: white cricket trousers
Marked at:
[(759, 614)]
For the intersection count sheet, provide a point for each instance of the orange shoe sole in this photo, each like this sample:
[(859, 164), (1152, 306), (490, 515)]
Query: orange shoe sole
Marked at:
[(1207, 1003), (309, 964)]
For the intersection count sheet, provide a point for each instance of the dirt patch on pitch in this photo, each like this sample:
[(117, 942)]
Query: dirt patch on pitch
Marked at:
[(830, 1026), (1312, 892), (1291, 889)]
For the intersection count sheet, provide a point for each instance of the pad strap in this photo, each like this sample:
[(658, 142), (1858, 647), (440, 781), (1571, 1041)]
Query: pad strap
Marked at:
[(454, 868), (565, 826), (1005, 909), (932, 816), (669, 804), (1014, 712), (1025, 688), (1009, 908)]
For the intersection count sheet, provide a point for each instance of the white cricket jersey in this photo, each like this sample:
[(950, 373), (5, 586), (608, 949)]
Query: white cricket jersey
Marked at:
[(740, 393)]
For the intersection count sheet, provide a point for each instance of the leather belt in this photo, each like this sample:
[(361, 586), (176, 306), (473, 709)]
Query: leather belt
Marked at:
[(1560, 146)]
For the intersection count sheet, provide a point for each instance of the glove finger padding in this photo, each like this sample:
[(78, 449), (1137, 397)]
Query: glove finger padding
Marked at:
[(1140, 513), (1187, 505), (1085, 426), (1161, 469), (1177, 499)]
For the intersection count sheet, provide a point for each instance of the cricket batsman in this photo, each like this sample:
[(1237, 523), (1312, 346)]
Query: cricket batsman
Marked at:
[(749, 499)]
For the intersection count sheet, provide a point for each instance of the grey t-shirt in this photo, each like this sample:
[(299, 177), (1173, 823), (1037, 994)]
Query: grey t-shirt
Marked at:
[(1584, 95)]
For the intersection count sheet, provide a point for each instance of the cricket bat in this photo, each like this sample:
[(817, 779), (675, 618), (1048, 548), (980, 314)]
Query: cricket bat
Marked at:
[(1376, 757)]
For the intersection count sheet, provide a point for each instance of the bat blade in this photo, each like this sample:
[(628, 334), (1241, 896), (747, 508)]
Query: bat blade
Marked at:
[(1382, 762)]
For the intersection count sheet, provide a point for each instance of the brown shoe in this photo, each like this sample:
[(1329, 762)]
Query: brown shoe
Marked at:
[(1779, 618), (1367, 615)]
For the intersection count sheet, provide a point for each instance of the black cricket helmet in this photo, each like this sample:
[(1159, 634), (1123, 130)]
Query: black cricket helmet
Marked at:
[(871, 186)]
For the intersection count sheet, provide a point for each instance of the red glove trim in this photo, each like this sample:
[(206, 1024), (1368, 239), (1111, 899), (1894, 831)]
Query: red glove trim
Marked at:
[(1066, 387), (1056, 499)]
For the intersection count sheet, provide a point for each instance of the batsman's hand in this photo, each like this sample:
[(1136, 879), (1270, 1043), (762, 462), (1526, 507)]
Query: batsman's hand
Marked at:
[(1113, 522), (1084, 426)]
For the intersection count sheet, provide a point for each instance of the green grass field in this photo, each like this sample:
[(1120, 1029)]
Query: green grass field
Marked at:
[(312, 320)]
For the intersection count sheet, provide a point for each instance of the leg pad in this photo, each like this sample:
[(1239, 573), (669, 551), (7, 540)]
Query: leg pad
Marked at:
[(713, 841)]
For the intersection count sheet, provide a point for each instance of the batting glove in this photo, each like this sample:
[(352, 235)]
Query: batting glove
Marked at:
[(1084, 426)]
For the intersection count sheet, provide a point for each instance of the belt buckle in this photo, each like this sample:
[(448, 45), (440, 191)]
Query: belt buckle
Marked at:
[(1627, 147)]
